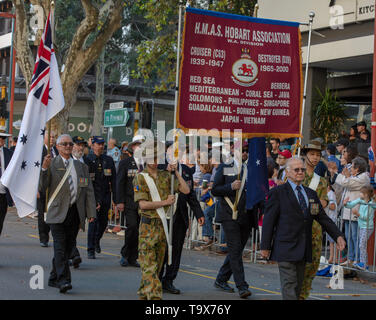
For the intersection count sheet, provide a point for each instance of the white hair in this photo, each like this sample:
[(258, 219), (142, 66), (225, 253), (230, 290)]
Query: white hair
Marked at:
[(294, 158), (63, 136)]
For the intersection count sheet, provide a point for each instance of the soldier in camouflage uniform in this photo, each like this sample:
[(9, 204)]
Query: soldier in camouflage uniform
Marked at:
[(312, 155), (152, 237)]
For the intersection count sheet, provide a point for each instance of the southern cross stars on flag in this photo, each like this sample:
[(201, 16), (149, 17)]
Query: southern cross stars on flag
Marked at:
[(44, 101)]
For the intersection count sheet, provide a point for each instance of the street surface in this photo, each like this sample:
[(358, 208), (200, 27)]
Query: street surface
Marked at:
[(105, 279)]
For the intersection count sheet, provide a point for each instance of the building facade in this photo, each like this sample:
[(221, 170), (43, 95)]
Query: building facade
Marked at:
[(341, 56)]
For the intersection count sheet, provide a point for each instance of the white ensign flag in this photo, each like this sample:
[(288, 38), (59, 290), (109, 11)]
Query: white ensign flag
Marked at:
[(44, 101)]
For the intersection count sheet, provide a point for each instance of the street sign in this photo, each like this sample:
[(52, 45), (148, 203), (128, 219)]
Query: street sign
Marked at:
[(116, 117), (117, 105)]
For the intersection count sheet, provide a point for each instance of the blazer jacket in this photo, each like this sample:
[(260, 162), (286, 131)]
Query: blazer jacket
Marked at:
[(85, 200), (286, 230)]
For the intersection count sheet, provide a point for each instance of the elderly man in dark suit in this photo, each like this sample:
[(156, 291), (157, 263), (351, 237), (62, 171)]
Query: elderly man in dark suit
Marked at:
[(5, 198), (287, 228), (68, 207)]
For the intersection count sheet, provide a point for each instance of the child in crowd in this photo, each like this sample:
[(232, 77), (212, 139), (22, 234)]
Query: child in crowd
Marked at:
[(365, 221), (331, 211)]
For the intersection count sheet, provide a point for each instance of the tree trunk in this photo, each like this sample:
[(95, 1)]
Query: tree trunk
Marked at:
[(80, 57), (99, 96)]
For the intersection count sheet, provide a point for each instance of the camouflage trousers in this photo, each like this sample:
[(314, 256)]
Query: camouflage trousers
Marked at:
[(151, 253), (311, 268)]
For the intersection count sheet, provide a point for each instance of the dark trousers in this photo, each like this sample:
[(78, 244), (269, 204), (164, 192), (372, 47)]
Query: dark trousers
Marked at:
[(43, 227), (237, 234), (291, 275), (97, 228), (129, 250), (75, 253), (3, 210), (178, 235), (64, 238)]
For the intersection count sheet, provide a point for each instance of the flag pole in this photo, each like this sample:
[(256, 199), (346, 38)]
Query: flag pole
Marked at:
[(49, 121), (181, 4), (311, 16)]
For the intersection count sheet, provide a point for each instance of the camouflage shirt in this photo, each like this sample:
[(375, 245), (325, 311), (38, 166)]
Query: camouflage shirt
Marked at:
[(322, 188), (163, 183)]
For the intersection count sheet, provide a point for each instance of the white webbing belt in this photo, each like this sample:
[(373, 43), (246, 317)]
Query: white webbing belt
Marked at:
[(67, 173), (161, 212), (314, 182), (238, 195)]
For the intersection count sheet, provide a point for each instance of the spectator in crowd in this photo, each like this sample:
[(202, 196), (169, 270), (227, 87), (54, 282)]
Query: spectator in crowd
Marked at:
[(362, 129), (268, 149), (352, 180), (354, 135), (365, 216), (331, 211), (282, 158), (331, 151), (113, 151), (275, 142), (13, 143), (348, 155), (341, 145)]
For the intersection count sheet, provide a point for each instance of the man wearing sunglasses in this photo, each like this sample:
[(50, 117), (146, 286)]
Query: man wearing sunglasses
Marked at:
[(71, 200), (287, 228)]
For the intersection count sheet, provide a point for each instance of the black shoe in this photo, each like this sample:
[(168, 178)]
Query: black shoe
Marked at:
[(124, 262), (91, 255), (76, 262), (134, 264), (65, 287), (223, 286), (169, 287), (244, 293), (44, 244), (98, 248)]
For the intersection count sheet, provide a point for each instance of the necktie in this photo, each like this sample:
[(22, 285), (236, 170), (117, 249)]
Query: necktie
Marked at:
[(140, 168), (71, 186), (302, 201)]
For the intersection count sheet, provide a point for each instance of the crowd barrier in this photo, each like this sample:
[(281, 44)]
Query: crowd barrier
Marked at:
[(341, 257)]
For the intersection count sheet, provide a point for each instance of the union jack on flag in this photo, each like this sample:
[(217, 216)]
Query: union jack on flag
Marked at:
[(44, 101), (41, 79)]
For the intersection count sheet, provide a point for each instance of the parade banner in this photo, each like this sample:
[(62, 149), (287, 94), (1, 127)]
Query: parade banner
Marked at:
[(240, 73)]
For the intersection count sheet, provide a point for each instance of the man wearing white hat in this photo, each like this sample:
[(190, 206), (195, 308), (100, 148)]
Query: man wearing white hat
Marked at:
[(5, 156)]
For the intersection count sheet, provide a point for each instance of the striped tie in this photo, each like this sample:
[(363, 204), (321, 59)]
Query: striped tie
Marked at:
[(71, 186)]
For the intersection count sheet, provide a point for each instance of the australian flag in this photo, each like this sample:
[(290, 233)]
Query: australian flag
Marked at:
[(44, 101), (257, 179)]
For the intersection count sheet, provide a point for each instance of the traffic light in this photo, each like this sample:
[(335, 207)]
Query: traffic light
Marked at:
[(147, 114), (3, 99), (3, 108)]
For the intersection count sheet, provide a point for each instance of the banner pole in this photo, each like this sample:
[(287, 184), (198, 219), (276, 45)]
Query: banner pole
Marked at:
[(311, 16), (175, 111)]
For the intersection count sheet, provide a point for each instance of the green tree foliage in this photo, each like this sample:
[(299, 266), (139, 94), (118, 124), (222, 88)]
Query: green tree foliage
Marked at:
[(328, 116), (156, 55)]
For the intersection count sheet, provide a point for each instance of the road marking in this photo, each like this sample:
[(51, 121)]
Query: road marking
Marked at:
[(312, 295)]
